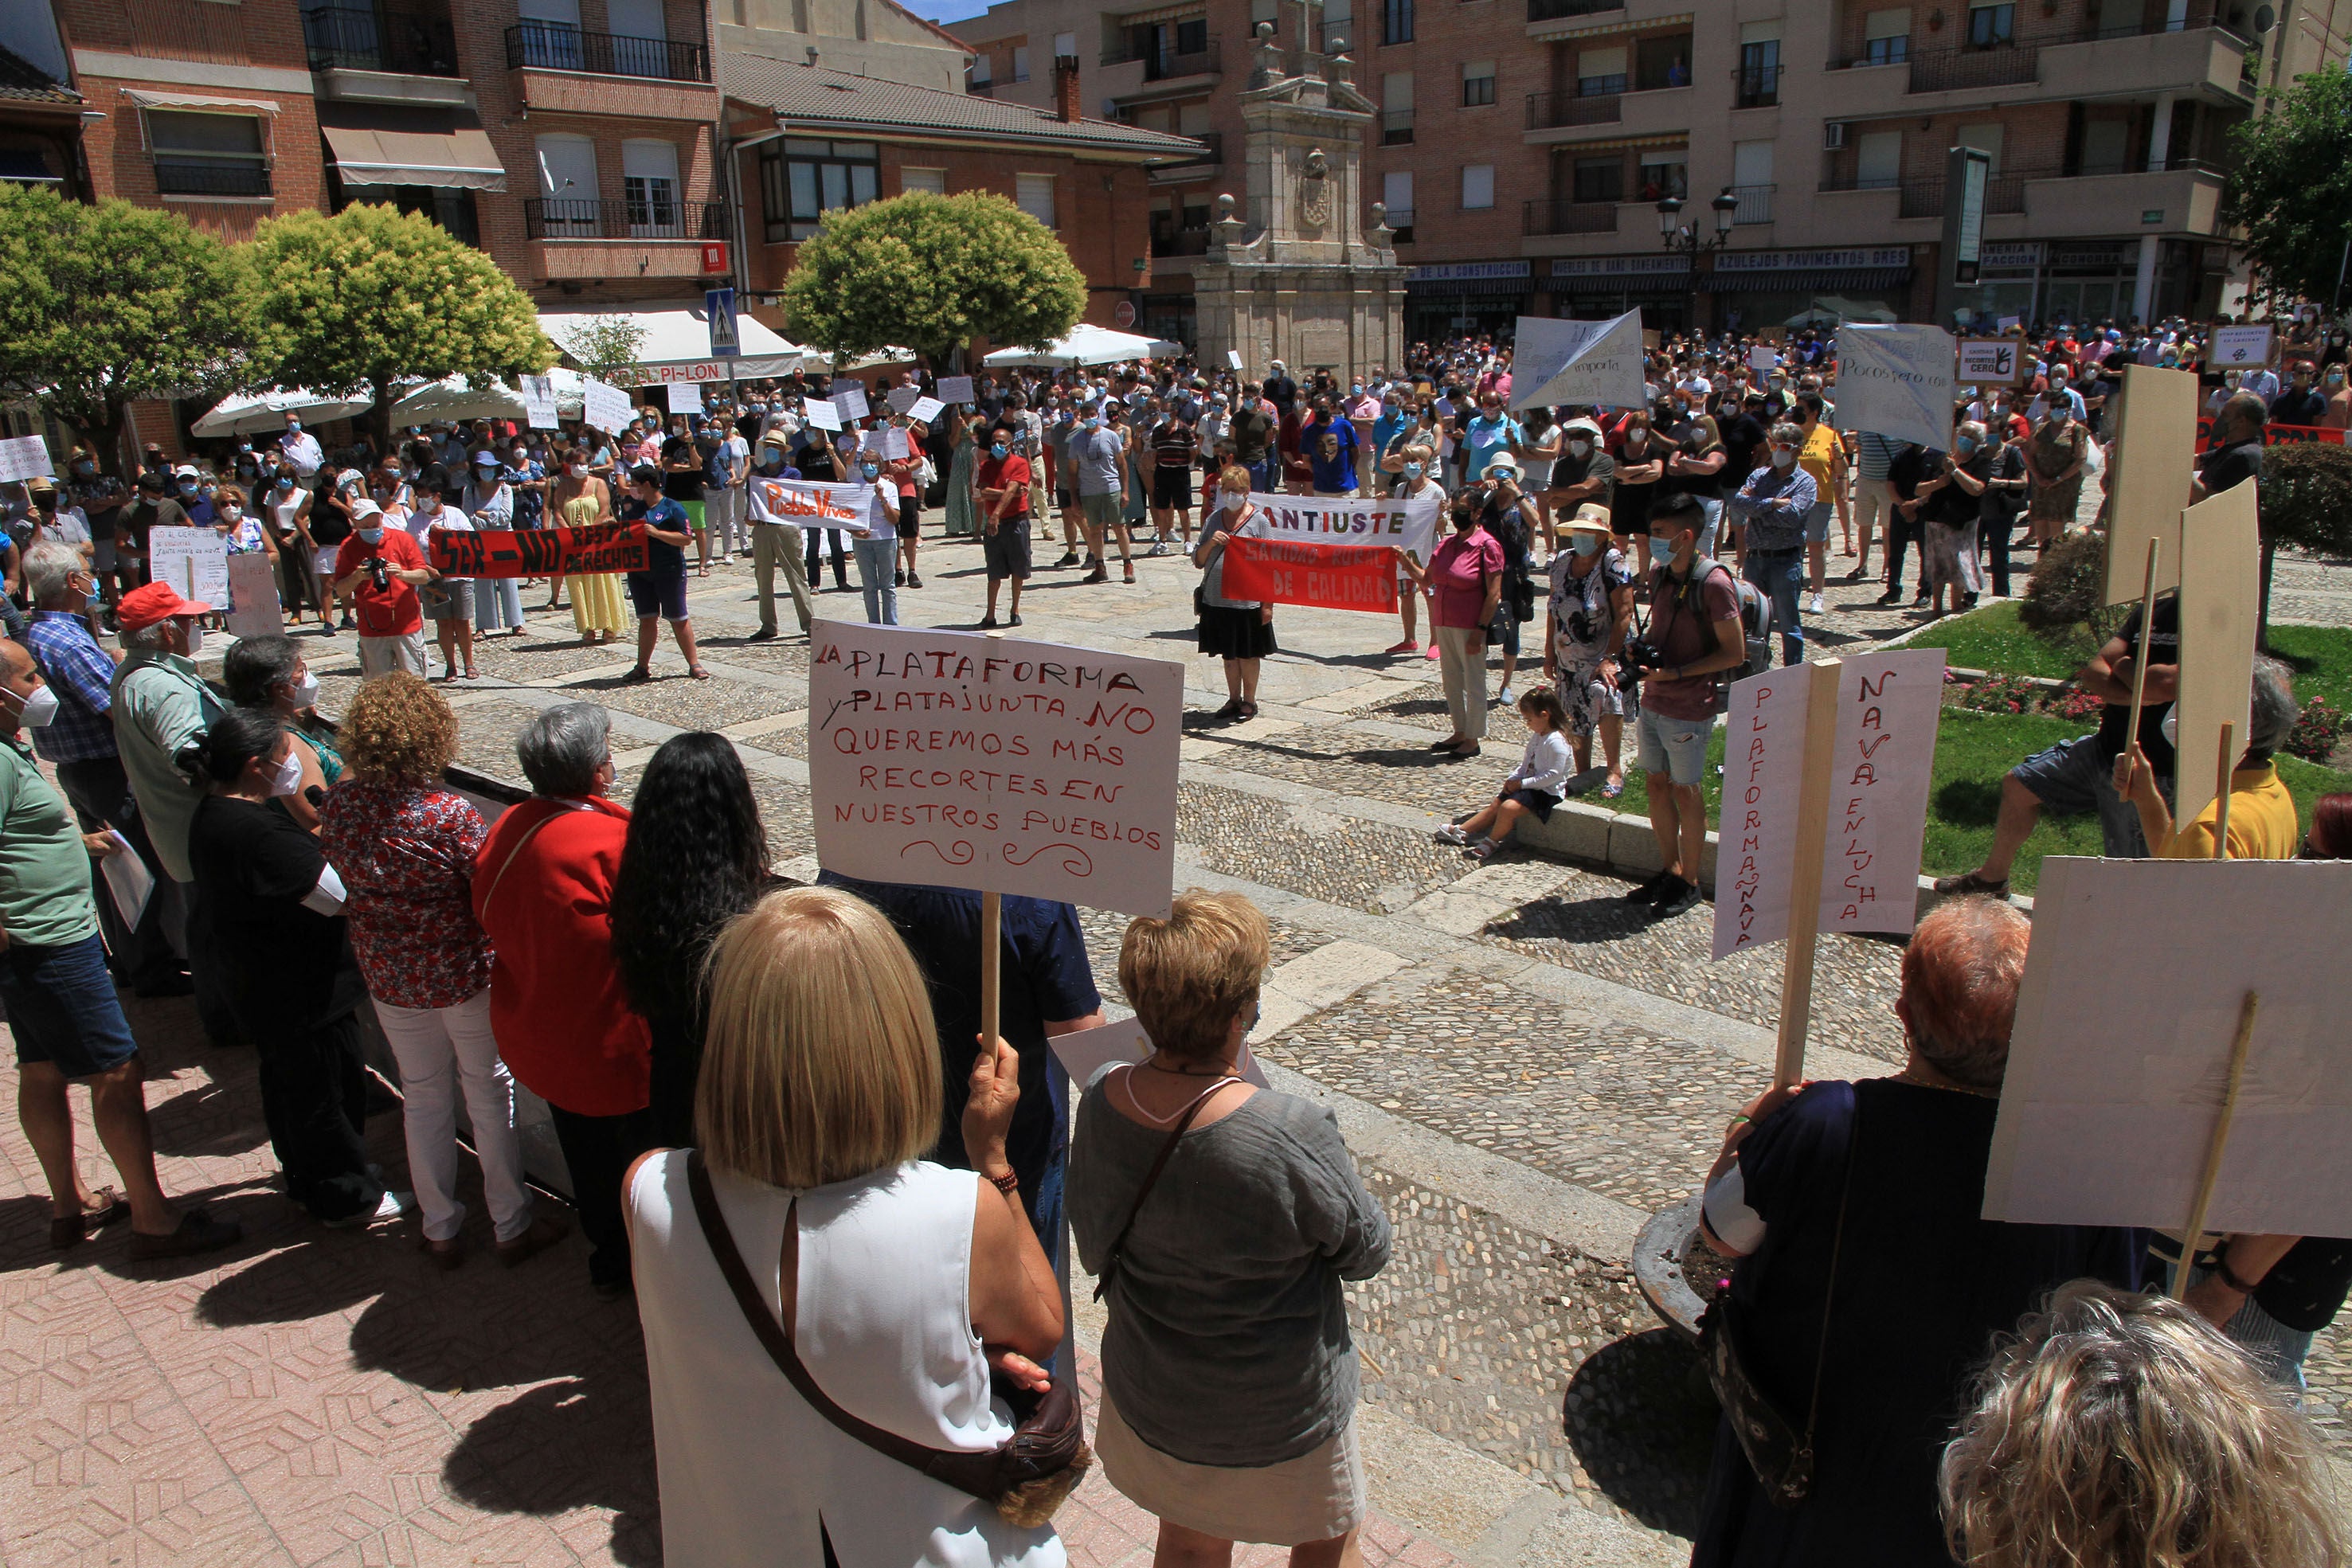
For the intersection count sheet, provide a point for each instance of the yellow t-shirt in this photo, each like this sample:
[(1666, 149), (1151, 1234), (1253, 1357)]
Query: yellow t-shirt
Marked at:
[(1815, 457), (2262, 825)]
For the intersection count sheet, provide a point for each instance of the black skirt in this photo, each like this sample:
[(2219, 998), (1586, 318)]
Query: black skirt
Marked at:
[(1234, 634)]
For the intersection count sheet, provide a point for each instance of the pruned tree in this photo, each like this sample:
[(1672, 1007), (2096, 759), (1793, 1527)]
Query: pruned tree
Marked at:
[(2290, 194), (606, 346)]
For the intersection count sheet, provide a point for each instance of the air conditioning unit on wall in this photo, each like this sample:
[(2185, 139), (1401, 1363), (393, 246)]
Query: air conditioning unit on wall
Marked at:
[(1833, 135)]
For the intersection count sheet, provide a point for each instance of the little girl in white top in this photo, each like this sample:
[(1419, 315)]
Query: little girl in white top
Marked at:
[(1536, 785)]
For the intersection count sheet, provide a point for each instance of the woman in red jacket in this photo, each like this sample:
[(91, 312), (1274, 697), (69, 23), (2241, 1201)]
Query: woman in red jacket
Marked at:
[(543, 892)]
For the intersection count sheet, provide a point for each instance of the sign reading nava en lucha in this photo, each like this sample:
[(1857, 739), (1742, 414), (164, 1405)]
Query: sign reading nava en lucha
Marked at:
[(952, 760)]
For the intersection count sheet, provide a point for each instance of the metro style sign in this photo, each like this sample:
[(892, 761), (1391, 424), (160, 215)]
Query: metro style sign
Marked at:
[(714, 258)]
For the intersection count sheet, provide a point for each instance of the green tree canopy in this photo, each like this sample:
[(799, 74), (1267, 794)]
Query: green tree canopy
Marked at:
[(606, 346), (931, 273), (353, 301), (100, 306), (2291, 192)]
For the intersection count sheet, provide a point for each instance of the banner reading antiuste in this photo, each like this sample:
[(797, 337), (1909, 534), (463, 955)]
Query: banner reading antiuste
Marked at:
[(1410, 525), (952, 760), (1328, 577), (539, 552)]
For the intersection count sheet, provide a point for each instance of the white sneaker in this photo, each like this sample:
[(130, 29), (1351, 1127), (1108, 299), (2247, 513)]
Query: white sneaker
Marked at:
[(1504, 696), (1816, 606), (391, 1206)]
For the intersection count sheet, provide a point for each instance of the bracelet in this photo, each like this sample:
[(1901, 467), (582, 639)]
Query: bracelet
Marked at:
[(1008, 1184), (2221, 1267)]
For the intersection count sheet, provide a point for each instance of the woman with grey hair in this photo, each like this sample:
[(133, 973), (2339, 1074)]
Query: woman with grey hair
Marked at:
[(2262, 822), (544, 892), (270, 675)]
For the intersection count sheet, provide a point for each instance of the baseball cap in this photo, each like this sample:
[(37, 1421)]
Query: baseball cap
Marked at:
[(487, 460), (366, 509), (158, 602), (1586, 425), (154, 480), (186, 471)]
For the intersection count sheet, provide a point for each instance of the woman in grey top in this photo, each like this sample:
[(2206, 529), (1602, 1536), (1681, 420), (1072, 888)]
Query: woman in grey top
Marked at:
[(1229, 1379)]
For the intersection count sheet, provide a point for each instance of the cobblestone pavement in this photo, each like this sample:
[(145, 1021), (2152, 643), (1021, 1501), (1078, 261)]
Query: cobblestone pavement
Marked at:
[(1542, 1074)]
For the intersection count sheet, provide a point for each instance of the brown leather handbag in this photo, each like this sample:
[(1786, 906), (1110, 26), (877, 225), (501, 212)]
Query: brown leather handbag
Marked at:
[(1025, 1480)]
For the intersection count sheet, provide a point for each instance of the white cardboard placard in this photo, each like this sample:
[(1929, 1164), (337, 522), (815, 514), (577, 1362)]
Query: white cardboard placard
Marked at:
[(1596, 362), (955, 388), (959, 760), (25, 458), (1880, 769), (604, 406), (901, 399), (1089, 1050), (253, 590), (812, 503), (1763, 357), (685, 397), (2118, 1056), (925, 409), (1897, 382), (195, 561), (851, 402), (2240, 348), (538, 402), (822, 412)]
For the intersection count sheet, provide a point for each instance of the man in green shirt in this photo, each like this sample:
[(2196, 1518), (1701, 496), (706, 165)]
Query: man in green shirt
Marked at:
[(60, 1005)]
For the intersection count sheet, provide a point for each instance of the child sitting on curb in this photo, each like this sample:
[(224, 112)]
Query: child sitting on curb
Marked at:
[(1535, 786)]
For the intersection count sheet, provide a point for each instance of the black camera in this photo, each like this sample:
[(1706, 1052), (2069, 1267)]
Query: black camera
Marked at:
[(1639, 654), (379, 576)]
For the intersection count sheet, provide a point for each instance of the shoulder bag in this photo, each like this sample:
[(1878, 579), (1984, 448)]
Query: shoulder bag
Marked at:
[(1025, 1479), (1778, 1450), (1118, 1249)]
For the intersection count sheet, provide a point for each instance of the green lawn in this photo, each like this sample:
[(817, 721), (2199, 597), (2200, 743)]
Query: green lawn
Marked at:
[(1973, 751)]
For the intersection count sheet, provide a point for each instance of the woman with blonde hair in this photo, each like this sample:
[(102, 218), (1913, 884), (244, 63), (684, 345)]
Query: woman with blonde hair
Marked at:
[(2121, 1431), (901, 1282), (1222, 1219)]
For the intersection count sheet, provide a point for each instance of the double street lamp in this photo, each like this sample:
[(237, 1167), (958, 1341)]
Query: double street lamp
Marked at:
[(1684, 239)]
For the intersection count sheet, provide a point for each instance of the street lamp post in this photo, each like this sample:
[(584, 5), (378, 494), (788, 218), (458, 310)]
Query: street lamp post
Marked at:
[(1684, 239)]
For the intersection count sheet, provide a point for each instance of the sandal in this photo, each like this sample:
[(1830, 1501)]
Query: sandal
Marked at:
[(697, 672), (70, 1230), (638, 676), (1231, 710), (1249, 710)]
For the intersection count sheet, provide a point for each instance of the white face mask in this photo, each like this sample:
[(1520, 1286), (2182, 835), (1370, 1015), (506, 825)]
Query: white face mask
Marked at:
[(36, 711), (195, 640), (288, 777), (304, 692), (2169, 728)]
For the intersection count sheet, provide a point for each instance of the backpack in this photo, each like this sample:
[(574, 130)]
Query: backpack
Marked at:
[(1755, 625)]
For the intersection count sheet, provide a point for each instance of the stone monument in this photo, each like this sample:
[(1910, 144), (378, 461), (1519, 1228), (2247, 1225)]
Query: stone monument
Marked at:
[(1298, 280)]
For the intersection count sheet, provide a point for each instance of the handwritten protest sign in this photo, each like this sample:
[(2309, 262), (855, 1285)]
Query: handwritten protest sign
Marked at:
[(538, 552), (925, 409), (192, 560), (1330, 576), (2117, 1064), (685, 397), (901, 399), (820, 414), (1763, 357), (1410, 525), (606, 407), (1596, 362), (893, 441), (850, 402), (955, 388), (25, 458), (538, 402), (253, 597), (1884, 753), (1010, 767), (1897, 382), (812, 503)]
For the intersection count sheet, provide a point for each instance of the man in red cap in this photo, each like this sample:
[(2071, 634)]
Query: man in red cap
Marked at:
[(381, 568), (162, 709)]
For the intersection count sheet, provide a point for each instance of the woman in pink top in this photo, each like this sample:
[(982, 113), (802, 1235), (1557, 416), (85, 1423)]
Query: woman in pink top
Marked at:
[(1465, 576)]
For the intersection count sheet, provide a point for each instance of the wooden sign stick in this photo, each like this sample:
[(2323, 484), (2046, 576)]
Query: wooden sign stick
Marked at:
[(2214, 1147), (2147, 625), (2222, 791), (1805, 870), (992, 944)]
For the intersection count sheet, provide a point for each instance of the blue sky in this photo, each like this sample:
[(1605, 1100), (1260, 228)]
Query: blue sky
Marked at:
[(946, 10)]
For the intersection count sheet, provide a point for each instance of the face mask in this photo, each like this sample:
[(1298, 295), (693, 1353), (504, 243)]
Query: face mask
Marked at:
[(230, 511), (293, 427), (195, 640), (1356, 390), (187, 486), (871, 470), (1662, 549), (1465, 521), (285, 482), (1412, 470), (577, 470), (36, 711), (1584, 544), (2335, 381), (1965, 444), (372, 536), (304, 692), (1580, 448), (1782, 459), (998, 449), (244, 446), (85, 469), (288, 776)]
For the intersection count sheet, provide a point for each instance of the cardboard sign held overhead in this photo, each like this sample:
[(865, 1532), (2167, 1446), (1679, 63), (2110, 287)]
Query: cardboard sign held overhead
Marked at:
[(685, 397), (1897, 382), (2240, 348), (604, 406), (2220, 598), (2118, 1063), (25, 458), (822, 413), (955, 388), (1596, 362), (1990, 361), (949, 758), (253, 594), (2149, 476), (539, 402), (192, 560)]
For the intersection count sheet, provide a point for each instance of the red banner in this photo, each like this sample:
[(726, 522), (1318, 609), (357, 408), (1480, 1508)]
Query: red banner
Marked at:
[(1328, 576), (2275, 434), (539, 552)]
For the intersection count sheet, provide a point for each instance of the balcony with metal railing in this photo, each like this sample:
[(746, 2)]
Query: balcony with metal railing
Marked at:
[(2005, 191), (1566, 216), (1970, 66), (1557, 10), (221, 177), (1755, 203), (568, 218), (1560, 110), (558, 46), (362, 38), (1756, 87), (1169, 64)]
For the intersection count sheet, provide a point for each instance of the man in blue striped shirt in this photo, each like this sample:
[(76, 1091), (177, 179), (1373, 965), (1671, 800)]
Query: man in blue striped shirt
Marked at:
[(80, 742)]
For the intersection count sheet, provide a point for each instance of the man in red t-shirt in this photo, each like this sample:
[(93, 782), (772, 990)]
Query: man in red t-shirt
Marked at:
[(381, 568), (1000, 495)]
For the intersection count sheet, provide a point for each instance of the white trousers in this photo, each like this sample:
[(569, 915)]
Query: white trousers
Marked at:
[(726, 515), (440, 1050)]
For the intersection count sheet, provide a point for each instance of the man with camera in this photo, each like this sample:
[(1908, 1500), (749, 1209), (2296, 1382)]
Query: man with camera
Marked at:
[(1694, 630), (381, 569)]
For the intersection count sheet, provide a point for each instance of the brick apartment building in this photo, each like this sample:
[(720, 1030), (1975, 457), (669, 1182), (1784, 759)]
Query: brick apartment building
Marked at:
[(1523, 144)]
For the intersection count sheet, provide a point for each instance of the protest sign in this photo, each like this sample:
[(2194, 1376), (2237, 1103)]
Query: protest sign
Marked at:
[(894, 442), (1897, 382), (253, 597), (606, 407), (822, 413), (2119, 1062), (192, 560), (538, 552), (901, 399), (25, 458), (1234, 359), (986, 762), (2240, 347), (538, 402), (2220, 592), (1088, 1050), (1884, 750), (2148, 476), (850, 400), (1410, 525), (1989, 362), (1330, 576), (1763, 357), (812, 503), (955, 388), (925, 409), (1596, 362), (685, 397), (2209, 434)]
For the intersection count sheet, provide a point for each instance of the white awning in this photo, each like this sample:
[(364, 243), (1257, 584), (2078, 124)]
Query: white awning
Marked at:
[(1088, 345), (460, 160), (454, 398), (147, 98), (677, 346), (257, 414)]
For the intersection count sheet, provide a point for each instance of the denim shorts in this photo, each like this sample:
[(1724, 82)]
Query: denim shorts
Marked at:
[(1817, 522), (2072, 780), (61, 1007), (1675, 746), (663, 596)]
